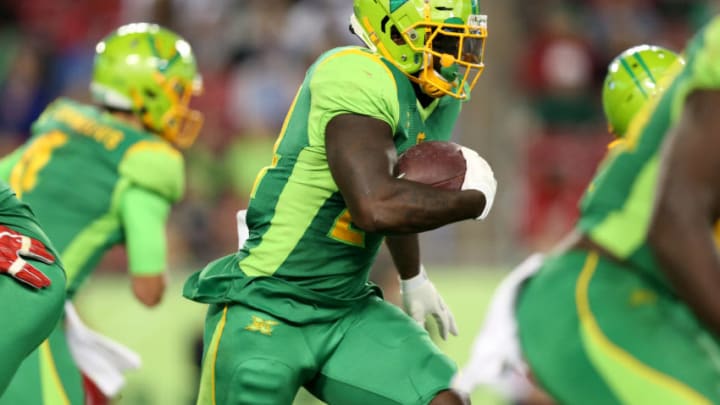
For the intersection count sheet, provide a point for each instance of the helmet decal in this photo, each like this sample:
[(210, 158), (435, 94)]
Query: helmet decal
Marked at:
[(395, 4)]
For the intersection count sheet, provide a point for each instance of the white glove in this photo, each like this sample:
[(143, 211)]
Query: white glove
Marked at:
[(242, 228), (100, 358), (479, 176), (420, 299)]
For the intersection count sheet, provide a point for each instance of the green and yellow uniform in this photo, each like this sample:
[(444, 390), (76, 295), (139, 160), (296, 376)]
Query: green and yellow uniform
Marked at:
[(29, 315), (597, 330), (301, 280), (94, 182)]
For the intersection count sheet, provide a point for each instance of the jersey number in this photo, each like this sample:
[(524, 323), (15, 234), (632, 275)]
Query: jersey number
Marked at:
[(25, 173), (345, 232)]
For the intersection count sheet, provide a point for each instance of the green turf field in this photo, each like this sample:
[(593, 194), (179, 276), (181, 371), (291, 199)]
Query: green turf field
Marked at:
[(165, 336)]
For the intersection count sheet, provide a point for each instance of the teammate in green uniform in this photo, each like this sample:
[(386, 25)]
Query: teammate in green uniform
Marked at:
[(99, 176), (32, 300), (294, 307), (634, 77), (604, 321)]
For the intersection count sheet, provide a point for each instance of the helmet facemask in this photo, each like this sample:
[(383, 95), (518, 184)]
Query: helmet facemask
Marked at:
[(452, 57), (438, 44), (169, 114)]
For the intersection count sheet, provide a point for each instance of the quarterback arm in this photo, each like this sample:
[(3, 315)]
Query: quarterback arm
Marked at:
[(361, 155), (144, 216), (687, 205)]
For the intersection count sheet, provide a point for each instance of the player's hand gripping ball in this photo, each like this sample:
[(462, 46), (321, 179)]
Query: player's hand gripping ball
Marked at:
[(448, 166), (436, 163)]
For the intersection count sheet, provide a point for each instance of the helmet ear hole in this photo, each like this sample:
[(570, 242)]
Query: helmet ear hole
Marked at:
[(150, 93), (396, 36)]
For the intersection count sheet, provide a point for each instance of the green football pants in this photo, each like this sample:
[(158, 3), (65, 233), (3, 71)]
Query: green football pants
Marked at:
[(374, 355), (597, 333), (29, 315)]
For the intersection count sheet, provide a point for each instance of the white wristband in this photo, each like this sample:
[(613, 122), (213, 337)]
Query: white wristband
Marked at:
[(414, 282)]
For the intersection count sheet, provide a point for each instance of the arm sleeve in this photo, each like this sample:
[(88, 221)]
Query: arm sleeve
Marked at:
[(144, 215), (702, 57), (8, 162), (155, 166), (351, 81)]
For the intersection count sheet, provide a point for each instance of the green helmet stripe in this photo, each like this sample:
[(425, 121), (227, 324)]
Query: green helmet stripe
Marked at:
[(156, 53), (644, 65), (396, 4), (635, 79)]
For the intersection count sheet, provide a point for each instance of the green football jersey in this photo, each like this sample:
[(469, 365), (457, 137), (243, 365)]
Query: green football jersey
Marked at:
[(302, 240), (616, 210), (75, 168)]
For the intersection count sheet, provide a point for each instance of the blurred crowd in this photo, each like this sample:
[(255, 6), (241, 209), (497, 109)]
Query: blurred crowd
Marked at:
[(253, 55)]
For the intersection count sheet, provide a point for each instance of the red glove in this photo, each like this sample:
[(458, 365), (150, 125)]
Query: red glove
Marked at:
[(13, 247)]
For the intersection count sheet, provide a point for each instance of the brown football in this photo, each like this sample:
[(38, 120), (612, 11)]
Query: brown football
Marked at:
[(437, 163)]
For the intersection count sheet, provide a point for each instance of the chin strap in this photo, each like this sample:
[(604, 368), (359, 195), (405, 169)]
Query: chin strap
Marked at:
[(436, 84)]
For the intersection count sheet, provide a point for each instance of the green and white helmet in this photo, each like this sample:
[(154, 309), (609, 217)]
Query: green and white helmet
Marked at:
[(438, 44), (634, 77), (150, 71)]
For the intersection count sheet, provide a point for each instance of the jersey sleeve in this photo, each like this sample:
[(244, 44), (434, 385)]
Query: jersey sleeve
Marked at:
[(155, 166), (144, 217), (351, 81), (702, 57), (8, 162)]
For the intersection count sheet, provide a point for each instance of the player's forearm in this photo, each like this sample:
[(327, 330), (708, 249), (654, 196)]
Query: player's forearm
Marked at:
[(412, 208), (144, 216), (405, 253)]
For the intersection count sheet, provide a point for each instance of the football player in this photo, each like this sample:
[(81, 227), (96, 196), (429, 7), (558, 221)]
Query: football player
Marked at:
[(294, 307), (634, 78), (107, 174)]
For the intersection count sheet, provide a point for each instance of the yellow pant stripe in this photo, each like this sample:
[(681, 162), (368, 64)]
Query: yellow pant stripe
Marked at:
[(206, 395), (632, 381)]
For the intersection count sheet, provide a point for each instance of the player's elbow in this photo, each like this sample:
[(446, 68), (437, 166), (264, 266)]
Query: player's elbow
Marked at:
[(374, 217), (365, 220), (149, 290)]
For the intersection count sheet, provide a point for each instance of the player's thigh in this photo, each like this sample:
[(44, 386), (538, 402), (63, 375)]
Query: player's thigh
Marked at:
[(383, 358), (597, 333), (29, 315), (251, 357), (48, 375)]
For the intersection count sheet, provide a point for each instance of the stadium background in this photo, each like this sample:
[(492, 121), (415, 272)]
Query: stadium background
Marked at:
[(535, 115)]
